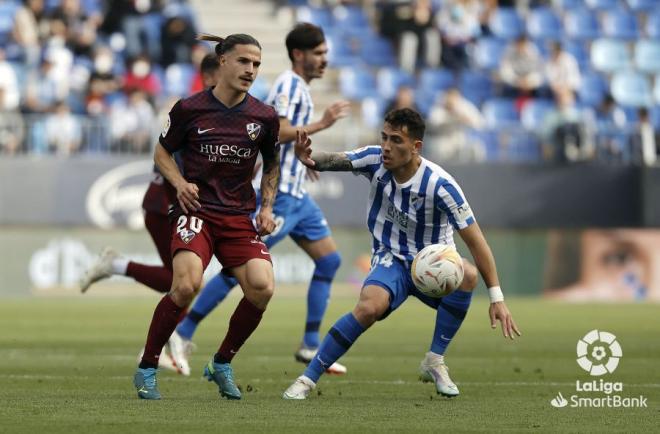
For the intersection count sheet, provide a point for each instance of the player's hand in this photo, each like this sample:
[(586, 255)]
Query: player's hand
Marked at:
[(313, 175), (499, 312), (188, 196), (265, 221), (336, 111), (303, 148)]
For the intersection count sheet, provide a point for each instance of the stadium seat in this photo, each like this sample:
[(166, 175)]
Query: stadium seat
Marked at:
[(647, 56), (490, 141), (543, 23), (641, 5), (592, 90), (620, 24), (500, 112), (340, 52), (357, 83), (505, 23), (488, 52), (7, 12), (631, 88), (567, 5), (578, 50), (603, 4), (350, 17), (431, 80), (609, 55), (377, 51), (475, 86), (655, 117), (388, 80), (652, 27), (373, 110), (581, 24), (322, 17), (534, 112), (521, 146)]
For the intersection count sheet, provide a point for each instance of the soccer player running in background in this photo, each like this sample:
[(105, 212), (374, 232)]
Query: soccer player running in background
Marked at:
[(157, 200), (296, 213), (219, 133), (412, 203)]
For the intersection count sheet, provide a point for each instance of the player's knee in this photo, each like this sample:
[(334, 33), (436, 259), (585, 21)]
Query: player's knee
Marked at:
[(328, 265), (367, 313), (186, 286), (261, 283), (470, 278)]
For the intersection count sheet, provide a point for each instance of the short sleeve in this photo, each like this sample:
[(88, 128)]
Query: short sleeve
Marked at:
[(174, 133), (285, 97), (450, 199), (366, 160), (271, 145)]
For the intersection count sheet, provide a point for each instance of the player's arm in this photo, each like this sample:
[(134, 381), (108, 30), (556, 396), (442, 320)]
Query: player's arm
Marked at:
[(321, 161), (269, 181), (485, 262), (331, 115), (187, 193)]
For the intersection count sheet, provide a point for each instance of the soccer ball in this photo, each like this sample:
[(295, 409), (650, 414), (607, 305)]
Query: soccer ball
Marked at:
[(437, 270)]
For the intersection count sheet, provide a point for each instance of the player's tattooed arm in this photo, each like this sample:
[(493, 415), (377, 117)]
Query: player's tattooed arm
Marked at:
[(331, 161), (270, 179), (321, 161)]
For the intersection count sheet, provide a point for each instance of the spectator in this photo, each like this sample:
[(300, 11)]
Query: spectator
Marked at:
[(643, 140), (404, 98), (140, 75), (131, 122), (562, 70), (177, 41), (45, 87), (27, 30), (521, 69), (102, 83), (63, 130), (139, 21), (11, 127), (450, 118), (562, 131), (8, 85), (605, 125), (459, 26), (80, 29)]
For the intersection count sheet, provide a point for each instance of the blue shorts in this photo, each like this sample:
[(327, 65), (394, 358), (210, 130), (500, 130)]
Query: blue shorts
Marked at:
[(298, 218), (393, 274)]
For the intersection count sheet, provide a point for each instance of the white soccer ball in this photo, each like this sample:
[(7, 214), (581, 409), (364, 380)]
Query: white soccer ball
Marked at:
[(437, 270)]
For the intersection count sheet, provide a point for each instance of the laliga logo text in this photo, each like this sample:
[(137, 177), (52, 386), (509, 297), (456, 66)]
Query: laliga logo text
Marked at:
[(598, 353)]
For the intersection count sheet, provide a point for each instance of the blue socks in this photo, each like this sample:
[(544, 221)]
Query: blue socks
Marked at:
[(451, 312), (318, 296), (338, 340), (213, 293)]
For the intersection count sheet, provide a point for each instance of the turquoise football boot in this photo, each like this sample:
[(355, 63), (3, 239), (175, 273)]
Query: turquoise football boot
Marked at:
[(223, 376)]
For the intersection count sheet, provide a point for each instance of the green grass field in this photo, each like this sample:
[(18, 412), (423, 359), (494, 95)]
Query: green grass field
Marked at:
[(66, 366)]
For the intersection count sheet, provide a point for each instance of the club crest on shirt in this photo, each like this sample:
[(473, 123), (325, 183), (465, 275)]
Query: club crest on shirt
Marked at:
[(187, 235), (253, 130), (417, 201)]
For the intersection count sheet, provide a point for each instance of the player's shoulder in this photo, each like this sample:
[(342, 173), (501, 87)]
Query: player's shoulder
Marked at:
[(260, 109), (195, 101), (439, 173)]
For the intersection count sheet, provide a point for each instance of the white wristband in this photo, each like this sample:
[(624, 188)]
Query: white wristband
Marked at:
[(495, 294)]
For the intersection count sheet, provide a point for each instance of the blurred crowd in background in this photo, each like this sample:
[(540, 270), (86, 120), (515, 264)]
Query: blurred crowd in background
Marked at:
[(498, 80)]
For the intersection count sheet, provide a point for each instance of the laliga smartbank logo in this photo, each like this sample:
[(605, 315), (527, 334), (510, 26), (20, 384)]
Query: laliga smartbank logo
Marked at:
[(598, 353)]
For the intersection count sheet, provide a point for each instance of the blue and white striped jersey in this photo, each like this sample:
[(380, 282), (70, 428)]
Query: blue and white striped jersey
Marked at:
[(291, 98), (404, 218)]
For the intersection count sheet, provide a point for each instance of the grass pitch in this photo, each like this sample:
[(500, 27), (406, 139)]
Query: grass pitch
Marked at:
[(66, 365)]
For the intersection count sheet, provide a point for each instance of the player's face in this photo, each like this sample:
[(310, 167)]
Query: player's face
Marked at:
[(398, 147), (239, 67), (315, 61)]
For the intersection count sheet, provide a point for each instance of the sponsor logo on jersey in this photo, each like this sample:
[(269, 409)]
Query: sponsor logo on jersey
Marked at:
[(398, 216), (226, 153), (253, 130)]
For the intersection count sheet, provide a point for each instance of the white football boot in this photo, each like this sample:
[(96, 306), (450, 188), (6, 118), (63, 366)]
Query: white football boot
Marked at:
[(300, 388), (180, 349), (164, 361), (306, 355), (433, 369), (100, 269)]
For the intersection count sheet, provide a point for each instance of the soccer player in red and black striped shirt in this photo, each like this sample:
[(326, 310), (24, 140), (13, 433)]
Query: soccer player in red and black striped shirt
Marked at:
[(218, 133)]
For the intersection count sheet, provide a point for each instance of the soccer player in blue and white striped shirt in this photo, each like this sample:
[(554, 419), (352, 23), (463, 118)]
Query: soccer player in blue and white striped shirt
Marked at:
[(412, 203)]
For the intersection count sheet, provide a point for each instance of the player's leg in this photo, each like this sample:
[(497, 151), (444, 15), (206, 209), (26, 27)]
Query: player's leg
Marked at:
[(451, 311), (111, 263), (257, 281)]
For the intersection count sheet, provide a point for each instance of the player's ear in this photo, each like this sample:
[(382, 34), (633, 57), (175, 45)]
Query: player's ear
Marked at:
[(418, 146), (298, 54)]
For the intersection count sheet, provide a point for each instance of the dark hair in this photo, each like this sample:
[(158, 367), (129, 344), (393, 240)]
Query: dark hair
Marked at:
[(304, 36), (209, 63), (227, 44), (409, 118)]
